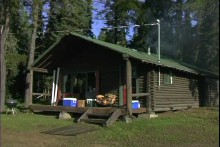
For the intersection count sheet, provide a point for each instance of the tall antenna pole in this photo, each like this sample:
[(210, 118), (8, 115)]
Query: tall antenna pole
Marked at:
[(158, 23)]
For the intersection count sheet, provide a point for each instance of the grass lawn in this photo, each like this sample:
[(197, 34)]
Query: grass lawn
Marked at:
[(194, 128)]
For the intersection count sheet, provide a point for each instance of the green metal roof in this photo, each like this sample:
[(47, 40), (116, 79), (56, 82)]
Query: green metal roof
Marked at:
[(153, 59)]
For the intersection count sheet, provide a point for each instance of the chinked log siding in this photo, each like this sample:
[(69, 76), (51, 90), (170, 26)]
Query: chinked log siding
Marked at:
[(152, 89), (148, 90), (182, 93)]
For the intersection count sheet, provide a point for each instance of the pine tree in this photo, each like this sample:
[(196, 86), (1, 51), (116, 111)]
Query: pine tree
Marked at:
[(119, 14), (206, 15), (68, 16), (8, 10), (12, 43), (147, 35), (36, 6)]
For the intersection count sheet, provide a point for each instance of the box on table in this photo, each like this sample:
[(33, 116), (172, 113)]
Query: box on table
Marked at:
[(81, 103), (135, 104), (91, 103), (69, 102)]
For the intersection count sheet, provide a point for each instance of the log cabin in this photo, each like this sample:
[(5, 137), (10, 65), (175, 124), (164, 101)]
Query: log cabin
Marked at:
[(83, 67)]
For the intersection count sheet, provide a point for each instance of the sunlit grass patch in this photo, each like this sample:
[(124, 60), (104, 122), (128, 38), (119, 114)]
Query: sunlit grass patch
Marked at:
[(193, 127)]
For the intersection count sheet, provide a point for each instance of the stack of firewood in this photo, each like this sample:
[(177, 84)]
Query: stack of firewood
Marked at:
[(106, 100)]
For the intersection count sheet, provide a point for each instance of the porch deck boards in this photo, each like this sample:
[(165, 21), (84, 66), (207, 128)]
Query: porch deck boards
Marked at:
[(80, 110)]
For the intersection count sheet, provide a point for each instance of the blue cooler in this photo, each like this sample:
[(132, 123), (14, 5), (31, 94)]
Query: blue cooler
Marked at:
[(135, 104), (69, 102)]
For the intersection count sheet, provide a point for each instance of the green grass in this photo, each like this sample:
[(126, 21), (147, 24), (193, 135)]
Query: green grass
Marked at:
[(29, 122), (193, 127)]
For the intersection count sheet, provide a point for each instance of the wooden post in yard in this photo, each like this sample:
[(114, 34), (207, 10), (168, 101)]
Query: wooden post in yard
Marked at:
[(129, 84), (30, 102)]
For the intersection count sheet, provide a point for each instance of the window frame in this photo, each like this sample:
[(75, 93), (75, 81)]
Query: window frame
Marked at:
[(168, 78)]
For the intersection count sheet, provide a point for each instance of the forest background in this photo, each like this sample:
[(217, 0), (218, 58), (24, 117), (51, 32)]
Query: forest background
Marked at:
[(189, 31)]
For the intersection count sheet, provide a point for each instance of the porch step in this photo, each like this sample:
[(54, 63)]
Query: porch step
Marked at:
[(93, 120), (115, 115), (99, 115), (106, 119)]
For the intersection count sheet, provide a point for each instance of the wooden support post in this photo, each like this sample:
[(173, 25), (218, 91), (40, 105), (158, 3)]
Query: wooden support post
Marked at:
[(129, 84), (120, 87)]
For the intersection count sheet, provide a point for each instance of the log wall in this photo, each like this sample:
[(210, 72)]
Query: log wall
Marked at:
[(181, 94)]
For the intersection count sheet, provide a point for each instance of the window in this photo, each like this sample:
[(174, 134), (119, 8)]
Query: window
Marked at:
[(80, 84), (134, 72), (168, 78)]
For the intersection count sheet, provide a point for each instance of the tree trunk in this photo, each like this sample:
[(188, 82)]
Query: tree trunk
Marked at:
[(32, 52), (4, 32), (2, 73), (27, 90)]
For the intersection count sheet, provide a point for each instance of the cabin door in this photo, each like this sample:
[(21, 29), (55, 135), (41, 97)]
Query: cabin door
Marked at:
[(91, 86), (80, 85)]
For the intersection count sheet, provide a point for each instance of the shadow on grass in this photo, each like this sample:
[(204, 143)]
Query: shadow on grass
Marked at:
[(72, 130)]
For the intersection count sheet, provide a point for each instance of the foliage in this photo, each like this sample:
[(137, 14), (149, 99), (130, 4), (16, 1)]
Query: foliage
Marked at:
[(15, 58), (189, 29), (68, 16), (206, 14), (117, 19), (189, 32), (14, 63)]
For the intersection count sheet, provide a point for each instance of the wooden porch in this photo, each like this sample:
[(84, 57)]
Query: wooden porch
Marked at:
[(81, 110), (105, 116)]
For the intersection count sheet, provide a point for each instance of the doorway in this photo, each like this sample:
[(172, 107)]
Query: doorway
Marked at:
[(82, 85)]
